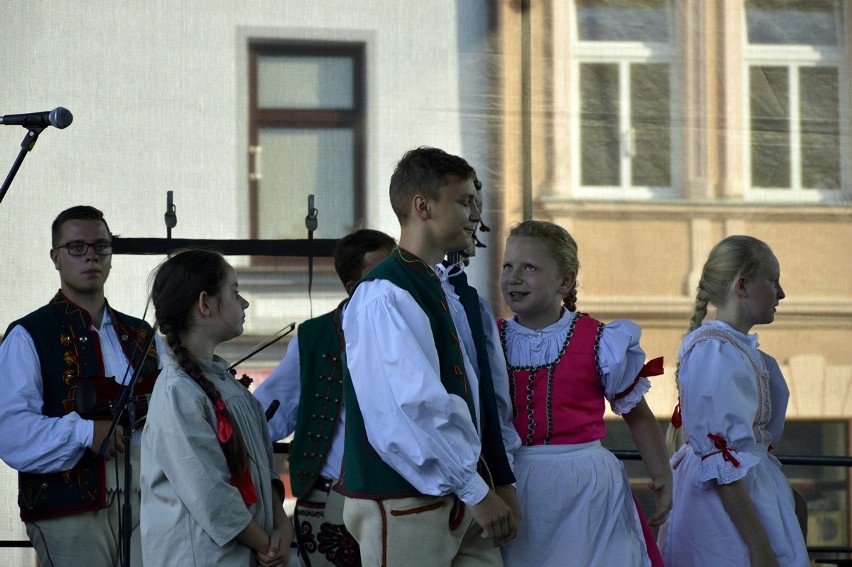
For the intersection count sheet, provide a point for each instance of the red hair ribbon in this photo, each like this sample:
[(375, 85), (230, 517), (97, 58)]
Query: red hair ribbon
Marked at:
[(245, 485), (224, 427), (651, 368), (243, 482), (677, 420), (721, 444)]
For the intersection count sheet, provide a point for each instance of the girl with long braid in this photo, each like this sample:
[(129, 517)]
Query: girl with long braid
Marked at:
[(732, 504), (210, 494)]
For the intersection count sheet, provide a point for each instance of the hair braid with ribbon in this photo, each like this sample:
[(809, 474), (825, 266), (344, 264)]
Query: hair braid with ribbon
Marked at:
[(177, 284)]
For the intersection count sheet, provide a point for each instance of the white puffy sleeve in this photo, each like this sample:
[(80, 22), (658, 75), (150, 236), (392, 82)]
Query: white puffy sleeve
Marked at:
[(719, 401)]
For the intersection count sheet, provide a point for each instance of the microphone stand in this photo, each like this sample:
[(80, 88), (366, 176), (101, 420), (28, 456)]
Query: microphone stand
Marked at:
[(27, 145), (126, 404)]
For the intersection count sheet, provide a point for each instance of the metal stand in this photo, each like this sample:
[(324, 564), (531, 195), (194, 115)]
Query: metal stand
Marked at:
[(26, 146)]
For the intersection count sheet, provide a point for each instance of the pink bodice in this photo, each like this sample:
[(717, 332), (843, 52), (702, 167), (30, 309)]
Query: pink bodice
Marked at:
[(561, 402)]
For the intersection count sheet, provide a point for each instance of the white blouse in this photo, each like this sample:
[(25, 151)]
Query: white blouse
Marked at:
[(420, 430), (733, 392), (620, 356)]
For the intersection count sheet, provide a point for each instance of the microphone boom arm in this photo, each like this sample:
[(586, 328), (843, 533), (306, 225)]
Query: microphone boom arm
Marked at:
[(26, 146)]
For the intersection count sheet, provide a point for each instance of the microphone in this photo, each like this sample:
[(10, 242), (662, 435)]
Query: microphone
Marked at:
[(273, 407), (58, 117)]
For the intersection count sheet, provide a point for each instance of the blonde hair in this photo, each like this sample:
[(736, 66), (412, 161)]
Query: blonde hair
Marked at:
[(560, 245), (732, 258)]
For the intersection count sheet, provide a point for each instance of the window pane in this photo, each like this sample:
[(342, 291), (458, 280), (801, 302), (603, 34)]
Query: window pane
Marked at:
[(770, 127), (649, 106), (623, 20), (820, 125), (599, 139), (826, 488), (297, 163), (808, 22), (305, 82)]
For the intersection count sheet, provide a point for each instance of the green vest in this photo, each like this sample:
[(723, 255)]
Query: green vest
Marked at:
[(69, 351), (365, 474), (321, 376)]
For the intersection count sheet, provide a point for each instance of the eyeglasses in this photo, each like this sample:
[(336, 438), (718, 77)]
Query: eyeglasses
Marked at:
[(81, 248)]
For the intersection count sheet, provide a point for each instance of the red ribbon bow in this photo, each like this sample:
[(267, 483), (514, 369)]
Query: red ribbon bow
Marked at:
[(651, 368), (225, 429), (677, 420), (243, 481), (721, 444)]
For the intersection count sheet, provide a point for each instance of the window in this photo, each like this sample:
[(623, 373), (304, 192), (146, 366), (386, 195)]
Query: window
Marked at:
[(307, 138), (794, 76), (624, 98)]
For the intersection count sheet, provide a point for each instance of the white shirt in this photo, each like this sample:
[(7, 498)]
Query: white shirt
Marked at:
[(42, 444), (619, 355), (422, 432), (284, 384)]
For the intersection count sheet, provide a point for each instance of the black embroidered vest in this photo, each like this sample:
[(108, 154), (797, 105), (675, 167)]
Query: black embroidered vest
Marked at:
[(69, 351), (493, 450)]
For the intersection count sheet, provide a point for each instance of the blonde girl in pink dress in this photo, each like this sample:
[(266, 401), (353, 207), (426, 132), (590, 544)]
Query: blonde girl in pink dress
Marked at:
[(564, 366)]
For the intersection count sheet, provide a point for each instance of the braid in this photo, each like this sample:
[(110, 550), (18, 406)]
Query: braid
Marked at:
[(177, 283), (674, 436), (730, 259), (570, 300), (234, 448), (699, 311)]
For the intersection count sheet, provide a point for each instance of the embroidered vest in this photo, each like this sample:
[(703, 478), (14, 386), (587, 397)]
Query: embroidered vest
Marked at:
[(561, 402), (493, 450), (321, 375), (69, 351), (365, 474)]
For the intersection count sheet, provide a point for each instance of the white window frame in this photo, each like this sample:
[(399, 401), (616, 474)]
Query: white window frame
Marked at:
[(794, 58), (624, 54)]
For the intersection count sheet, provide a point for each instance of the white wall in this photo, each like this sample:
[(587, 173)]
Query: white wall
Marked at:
[(159, 96)]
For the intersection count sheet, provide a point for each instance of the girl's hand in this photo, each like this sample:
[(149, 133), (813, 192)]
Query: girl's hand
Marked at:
[(662, 488), (279, 547)]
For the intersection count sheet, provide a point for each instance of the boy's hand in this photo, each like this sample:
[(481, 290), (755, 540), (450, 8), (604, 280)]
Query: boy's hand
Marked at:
[(495, 517), (510, 496)]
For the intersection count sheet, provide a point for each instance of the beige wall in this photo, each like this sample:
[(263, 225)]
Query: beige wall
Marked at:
[(642, 259)]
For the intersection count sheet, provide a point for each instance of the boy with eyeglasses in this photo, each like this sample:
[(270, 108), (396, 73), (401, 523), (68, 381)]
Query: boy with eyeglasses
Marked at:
[(66, 493)]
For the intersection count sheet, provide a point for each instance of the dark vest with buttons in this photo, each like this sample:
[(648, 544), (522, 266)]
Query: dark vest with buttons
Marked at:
[(69, 351), (493, 450), (365, 474), (321, 399)]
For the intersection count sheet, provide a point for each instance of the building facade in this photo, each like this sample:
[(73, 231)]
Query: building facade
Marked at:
[(650, 129)]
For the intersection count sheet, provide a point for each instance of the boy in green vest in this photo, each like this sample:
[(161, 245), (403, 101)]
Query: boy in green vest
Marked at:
[(309, 385), (417, 490)]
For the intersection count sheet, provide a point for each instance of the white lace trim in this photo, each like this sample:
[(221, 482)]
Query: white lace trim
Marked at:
[(716, 468), (628, 402)]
